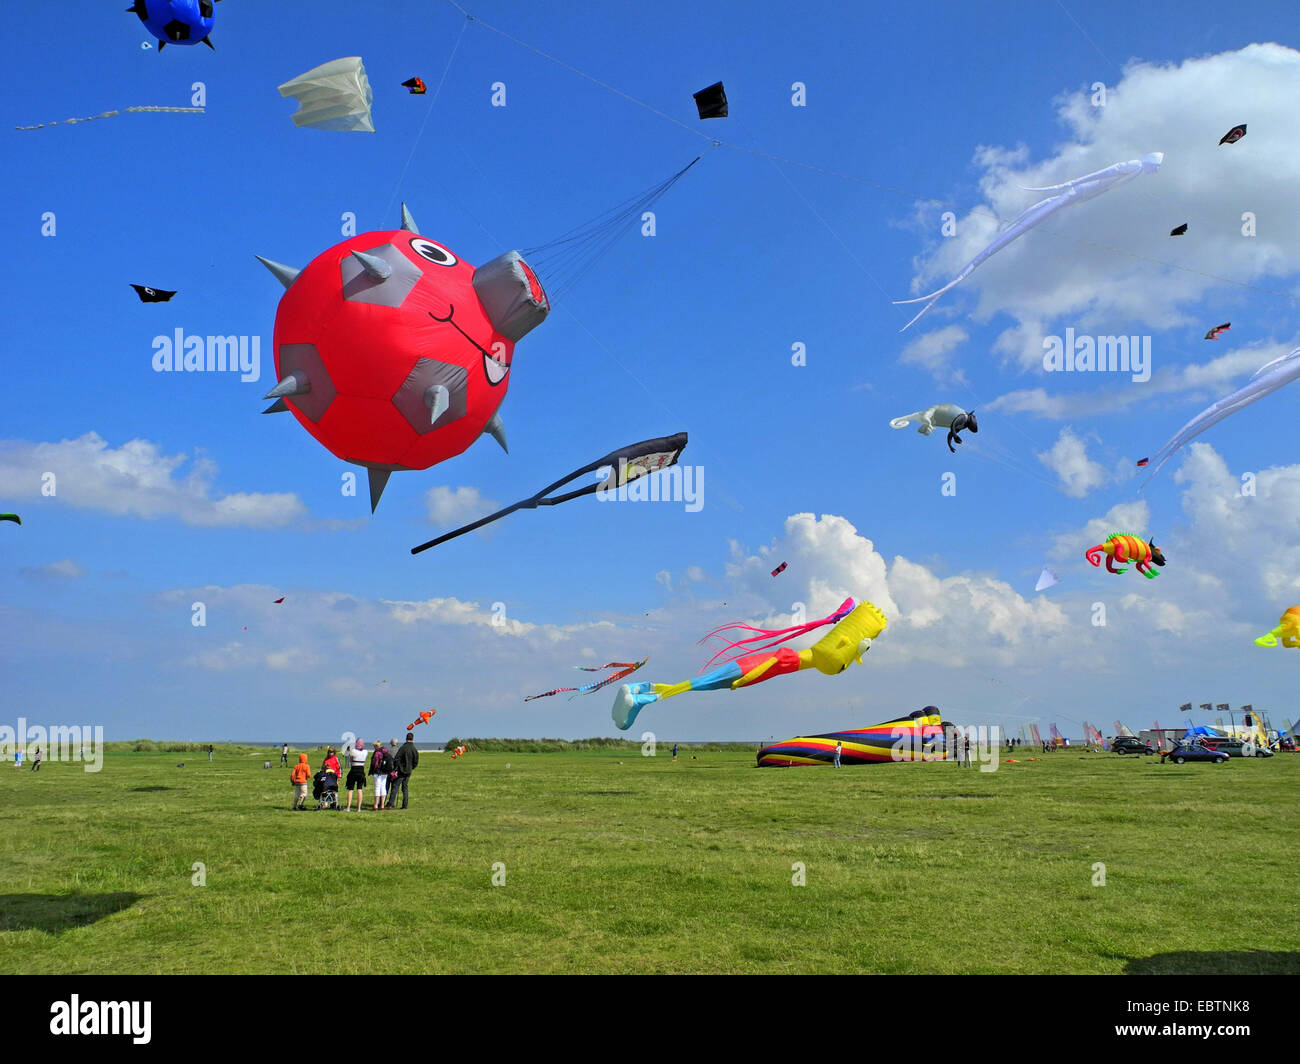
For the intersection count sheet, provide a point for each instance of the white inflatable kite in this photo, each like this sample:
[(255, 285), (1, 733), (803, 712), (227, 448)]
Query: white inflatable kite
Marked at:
[(1070, 192), (334, 95)]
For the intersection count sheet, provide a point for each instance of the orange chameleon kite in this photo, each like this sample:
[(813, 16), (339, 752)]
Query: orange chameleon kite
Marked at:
[(1121, 547)]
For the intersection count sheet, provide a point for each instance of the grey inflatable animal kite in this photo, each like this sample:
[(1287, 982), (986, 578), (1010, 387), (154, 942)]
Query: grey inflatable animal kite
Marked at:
[(944, 416)]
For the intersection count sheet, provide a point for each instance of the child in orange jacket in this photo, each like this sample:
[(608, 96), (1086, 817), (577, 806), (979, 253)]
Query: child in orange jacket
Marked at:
[(300, 777)]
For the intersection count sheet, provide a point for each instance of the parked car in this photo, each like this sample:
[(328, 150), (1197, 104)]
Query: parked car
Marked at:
[(1127, 744), (1236, 748), (1197, 752)]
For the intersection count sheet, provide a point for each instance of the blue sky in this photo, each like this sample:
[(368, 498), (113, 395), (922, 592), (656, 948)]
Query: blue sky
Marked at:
[(173, 489)]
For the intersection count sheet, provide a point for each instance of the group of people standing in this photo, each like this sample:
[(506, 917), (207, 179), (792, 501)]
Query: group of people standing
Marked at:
[(389, 767)]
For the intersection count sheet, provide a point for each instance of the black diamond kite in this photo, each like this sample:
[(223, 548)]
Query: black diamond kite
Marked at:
[(712, 102)]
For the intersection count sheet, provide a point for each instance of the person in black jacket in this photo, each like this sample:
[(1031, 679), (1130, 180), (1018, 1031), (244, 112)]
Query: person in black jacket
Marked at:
[(408, 757)]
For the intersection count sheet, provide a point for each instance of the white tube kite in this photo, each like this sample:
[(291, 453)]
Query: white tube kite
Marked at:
[(334, 95), (1076, 191), (1268, 378)]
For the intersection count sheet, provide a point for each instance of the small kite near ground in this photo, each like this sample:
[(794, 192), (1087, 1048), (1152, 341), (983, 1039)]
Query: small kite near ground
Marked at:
[(626, 668), (335, 95), (1267, 379), (152, 295), (944, 416), (1065, 194), (1234, 134), (712, 102), (1178, 230), (11, 517), (624, 465), (780, 569), (415, 86), (1287, 630), (1047, 578), (1218, 331), (1121, 547)]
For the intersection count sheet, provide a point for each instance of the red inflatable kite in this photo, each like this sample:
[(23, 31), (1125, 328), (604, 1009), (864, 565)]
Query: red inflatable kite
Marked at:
[(394, 353)]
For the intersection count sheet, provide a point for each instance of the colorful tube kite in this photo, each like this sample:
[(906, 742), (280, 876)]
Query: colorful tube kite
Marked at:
[(917, 737), (1069, 192), (832, 654), (625, 668)]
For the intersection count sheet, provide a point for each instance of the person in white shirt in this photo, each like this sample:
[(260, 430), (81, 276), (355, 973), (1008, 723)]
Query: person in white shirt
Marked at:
[(356, 782)]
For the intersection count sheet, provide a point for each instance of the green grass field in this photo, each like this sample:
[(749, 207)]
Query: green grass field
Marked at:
[(619, 863)]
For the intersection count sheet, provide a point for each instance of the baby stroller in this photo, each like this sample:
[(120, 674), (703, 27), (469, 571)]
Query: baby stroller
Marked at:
[(325, 789)]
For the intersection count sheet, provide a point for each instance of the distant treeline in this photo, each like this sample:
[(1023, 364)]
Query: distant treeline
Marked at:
[(151, 746), (564, 746)]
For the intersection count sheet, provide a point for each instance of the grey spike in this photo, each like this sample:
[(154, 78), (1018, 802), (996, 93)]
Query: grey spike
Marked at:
[(278, 407), (497, 430), (437, 399), (295, 383), (378, 481), (286, 275), (408, 223), (376, 268)]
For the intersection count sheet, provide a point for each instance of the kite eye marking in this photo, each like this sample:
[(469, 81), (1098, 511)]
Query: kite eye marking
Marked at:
[(434, 253)]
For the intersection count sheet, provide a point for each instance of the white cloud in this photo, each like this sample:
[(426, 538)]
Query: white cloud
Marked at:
[(138, 480), (1068, 459), (1214, 378), (66, 569), (454, 506), (932, 352), (1094, 263), (454, 612)]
